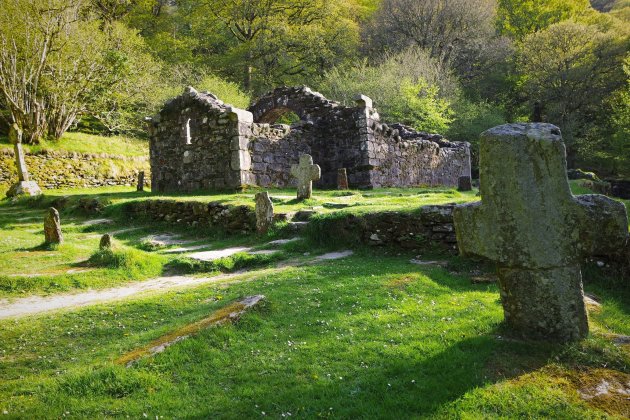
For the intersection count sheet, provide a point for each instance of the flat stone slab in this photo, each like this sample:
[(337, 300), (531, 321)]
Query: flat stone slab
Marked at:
[(437, 263), (186, 249), (166, 239), (264, 252), (228, 314), (95, 222), (334, 255), (216, 254), (284, 241)]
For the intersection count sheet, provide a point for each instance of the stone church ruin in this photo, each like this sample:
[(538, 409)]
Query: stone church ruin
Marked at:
[(198, 142)]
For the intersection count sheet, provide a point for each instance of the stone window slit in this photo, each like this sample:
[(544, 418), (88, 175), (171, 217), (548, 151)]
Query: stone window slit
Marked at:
[(188, 138)]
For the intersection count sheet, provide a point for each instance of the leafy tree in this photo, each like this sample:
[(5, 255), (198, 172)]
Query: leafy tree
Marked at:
[(263, 43), (570, 69), (460, 33), (519, 18), (410, 87)]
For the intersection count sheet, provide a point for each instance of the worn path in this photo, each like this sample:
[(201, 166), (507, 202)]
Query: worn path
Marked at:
[(40, 304)]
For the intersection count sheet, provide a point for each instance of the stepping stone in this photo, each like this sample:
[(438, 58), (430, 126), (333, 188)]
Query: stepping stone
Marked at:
[(186, 249), (215, 255), (264, 252), (166, 240), (284, 241), (334, 255), (97, 222)]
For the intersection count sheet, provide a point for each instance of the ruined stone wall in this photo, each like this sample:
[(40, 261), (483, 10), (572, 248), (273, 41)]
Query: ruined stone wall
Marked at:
[(51, 169), (401, 157), (273, 150), (198, 142), (195, 144)]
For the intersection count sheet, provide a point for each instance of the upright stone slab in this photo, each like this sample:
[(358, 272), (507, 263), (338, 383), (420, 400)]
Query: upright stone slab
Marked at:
[(140, 187), (52, 227), (24, 185), (536, 231), (464, 184), (264, 212), (106, 242), (342, 179), (306, 173)]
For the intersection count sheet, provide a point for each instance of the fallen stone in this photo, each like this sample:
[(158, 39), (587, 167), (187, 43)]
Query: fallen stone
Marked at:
[(24, 188), (230, 313)]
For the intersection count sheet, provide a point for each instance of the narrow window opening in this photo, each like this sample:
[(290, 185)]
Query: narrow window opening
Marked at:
[(188, 138)]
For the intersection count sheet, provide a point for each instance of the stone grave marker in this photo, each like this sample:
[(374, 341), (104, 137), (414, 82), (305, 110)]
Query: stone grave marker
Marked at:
[(342, 179), (106, 242), (536, 231), (24, 185), (306, 172), (140, 187), (52, 227), (464, 184), (264, 212)]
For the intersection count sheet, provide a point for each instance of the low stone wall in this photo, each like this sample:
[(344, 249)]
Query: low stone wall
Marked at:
[(67, 169), (431, 226), (236, 219)]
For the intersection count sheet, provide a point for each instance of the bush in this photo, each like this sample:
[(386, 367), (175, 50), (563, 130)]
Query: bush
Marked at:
[(228, 92), (130, 260)]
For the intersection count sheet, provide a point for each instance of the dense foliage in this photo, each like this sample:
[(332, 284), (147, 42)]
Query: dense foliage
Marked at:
[(452, 66)]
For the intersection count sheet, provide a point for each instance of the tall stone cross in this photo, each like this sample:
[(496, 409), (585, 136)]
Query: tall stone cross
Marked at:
[(306, 173), (536, 231), (24, 185), (15, 137)]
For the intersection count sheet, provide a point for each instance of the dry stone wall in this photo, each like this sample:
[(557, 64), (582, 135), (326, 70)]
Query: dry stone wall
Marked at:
[(69, 169)]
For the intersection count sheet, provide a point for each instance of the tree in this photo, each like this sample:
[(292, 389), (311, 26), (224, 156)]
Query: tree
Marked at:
[(29, 33), (56, 63), (409, 87), (519, 18), (570, 69), (262, 43), (458, 32)]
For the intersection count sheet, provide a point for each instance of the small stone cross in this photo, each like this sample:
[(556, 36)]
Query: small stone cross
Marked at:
[(536, 231), (52, 227), (306, 173)]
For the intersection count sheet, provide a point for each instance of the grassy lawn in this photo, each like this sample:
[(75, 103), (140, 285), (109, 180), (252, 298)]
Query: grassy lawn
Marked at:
[(372, 336), (88, 143), (369, 336)]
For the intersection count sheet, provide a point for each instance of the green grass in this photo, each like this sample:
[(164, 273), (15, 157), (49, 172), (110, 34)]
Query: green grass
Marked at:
[(372, 336), (89, 143)]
